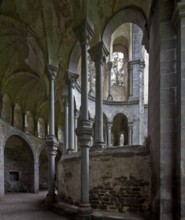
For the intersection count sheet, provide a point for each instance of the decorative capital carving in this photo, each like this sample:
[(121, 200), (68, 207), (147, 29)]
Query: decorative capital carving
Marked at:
[(84, 31), (71, 78), (52, 71), (98, 52)]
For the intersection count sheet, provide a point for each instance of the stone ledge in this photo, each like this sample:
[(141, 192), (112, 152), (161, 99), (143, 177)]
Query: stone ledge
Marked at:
[(99, 215), (69, 210), (123, 151)]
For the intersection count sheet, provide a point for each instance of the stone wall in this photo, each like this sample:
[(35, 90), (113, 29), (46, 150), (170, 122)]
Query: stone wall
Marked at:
[(120, 179), (18, 163)]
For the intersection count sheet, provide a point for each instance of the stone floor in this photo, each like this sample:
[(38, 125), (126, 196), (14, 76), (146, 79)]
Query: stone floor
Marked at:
[(25, 206)]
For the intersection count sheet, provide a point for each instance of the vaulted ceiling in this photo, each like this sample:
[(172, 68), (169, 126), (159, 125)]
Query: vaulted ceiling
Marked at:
[(34, 33)]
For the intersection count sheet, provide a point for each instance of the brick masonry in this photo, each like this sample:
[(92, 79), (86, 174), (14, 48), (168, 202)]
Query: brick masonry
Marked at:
[(120, 180)]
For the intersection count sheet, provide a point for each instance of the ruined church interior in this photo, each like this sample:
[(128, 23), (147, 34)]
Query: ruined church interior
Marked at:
[(91, 108)]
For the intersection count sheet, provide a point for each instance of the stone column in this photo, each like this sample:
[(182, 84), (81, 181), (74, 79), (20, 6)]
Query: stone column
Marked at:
[(36, 173), (75, 136), (109, 68), (141, 102), (130, 67), (91, 92), (98, 53), (130, 133), (109, 133), (84, 33), (71, 77), (51, 141), (66, 136)]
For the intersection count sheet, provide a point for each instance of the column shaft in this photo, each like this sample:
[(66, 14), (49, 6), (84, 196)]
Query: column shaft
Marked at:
[(52, 108), (109, 126), (66, 136), (99, 105), (130, 133), (109, 67), (71, 118), (51, 141), (84, 83), (84, 131), (36, 174), (98, 53)]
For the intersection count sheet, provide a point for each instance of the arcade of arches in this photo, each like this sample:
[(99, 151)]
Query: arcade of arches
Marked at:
[(92, 105)]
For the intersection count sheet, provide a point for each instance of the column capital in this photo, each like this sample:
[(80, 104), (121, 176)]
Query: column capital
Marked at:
[(109, 65), (98, 52), (84, 31), (71, 78), (52, 71)]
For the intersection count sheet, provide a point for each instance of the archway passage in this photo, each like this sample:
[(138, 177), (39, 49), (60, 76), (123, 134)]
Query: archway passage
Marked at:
[(18, 165), (120, 130)]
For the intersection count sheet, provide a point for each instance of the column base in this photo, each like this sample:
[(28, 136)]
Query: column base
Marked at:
[(98, 146), (109, 98), (50, 201), (84, 212)]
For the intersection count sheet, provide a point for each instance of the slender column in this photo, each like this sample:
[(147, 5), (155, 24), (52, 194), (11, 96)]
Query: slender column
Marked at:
[(36, 173), (130, 66), (109, 128), (130, 133), (66, 136), (141, 102), (75, 136), (84, 131), (109, 68), (71, 80), (91, 92), (98, 54), (51, 141)]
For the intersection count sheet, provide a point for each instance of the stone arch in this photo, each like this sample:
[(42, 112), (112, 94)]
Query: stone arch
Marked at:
[(119, 128), (18, 164), (74, 58), (123, 16)]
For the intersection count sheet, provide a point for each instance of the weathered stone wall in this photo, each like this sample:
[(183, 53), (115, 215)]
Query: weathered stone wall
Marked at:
[(120, 179), (18, 158), (162, 105), (35, 144)]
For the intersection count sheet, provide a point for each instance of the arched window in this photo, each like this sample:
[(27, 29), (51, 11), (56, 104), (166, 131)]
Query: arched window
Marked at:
[(117, 78)]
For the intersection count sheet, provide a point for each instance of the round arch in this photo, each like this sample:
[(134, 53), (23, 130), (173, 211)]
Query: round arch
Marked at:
[(18, 164), (120, 130), (123, 16)]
